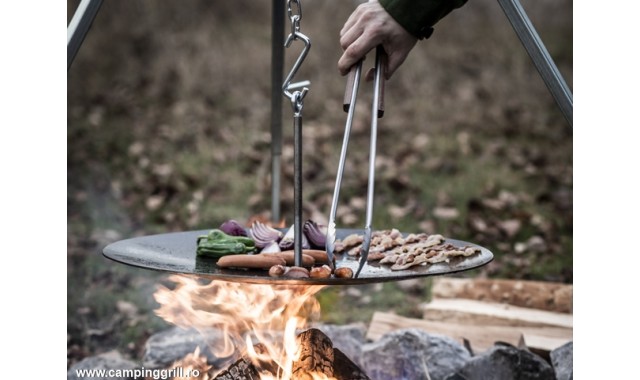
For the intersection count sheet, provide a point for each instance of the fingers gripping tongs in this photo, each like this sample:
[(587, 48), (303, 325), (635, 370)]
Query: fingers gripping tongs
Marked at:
[(377, 110)]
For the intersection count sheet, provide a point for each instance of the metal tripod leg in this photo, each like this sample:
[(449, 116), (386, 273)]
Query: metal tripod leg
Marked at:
[(540, 56), (277, 77), (79, 26)]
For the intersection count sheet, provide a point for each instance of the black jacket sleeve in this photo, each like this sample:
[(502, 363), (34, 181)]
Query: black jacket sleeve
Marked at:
[(419, 16)]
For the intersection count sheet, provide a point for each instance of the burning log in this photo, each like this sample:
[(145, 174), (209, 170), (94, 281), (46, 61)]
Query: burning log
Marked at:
[(345, 369), (317, 356), (242, 369), (245, 369)]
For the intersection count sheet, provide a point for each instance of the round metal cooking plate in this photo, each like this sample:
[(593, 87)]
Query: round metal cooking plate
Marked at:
[(176, 253)]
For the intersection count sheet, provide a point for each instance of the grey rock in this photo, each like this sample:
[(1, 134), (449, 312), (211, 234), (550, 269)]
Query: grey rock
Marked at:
[(413, 354), (164, 348), (107, 361), (505, 362), (353, 292), (415, 285), (347, 338), (562, 360)]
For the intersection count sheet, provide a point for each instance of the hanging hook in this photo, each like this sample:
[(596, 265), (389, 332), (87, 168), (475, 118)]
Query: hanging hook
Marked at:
[(295, 17), (286, 87)]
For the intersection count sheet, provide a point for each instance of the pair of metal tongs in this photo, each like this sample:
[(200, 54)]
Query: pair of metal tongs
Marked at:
[(377, 111)]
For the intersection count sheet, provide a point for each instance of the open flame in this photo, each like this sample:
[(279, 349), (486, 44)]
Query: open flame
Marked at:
[(247, 314)]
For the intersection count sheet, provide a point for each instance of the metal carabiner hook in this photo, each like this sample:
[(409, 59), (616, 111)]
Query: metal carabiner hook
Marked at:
[(297, 103)]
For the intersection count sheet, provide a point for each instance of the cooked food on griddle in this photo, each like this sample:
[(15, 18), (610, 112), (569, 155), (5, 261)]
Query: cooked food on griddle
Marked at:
[(262, 248), (390, 247)]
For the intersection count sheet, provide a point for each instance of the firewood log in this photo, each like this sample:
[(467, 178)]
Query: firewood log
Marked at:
[(317, 355)]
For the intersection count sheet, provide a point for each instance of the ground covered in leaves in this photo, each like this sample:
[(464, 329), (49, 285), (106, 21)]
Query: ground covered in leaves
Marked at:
[(169, 130)]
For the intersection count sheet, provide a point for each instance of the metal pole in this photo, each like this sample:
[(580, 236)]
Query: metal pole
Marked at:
[(540, 56), (79, 26), (297, 189), (277, 68)]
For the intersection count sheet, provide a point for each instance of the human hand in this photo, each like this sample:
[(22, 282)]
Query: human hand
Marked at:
[(369, 26)]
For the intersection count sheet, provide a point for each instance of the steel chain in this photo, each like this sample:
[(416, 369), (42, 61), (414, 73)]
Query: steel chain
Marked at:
[(294, 18)]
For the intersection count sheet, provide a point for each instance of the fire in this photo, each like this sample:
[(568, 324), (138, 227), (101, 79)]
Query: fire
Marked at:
[(258, 321), (185, 367)]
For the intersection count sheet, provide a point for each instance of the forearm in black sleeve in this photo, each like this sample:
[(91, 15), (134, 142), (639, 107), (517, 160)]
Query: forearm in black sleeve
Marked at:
[(419, 16)]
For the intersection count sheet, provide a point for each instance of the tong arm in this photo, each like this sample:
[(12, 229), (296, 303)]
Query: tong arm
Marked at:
[(377, 111)]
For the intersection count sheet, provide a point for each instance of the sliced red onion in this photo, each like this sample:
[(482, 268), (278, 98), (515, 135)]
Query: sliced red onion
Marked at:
[(233, 228), (317, 238), (272, 247), (287, 241), (264, 235)]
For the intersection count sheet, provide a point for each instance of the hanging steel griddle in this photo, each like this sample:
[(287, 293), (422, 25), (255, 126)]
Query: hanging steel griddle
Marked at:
[(176, 253)]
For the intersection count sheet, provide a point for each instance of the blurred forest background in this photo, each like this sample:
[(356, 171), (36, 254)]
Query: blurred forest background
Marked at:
[(169, 130)]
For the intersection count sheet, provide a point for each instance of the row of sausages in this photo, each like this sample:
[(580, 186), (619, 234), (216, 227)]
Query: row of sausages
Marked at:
[(280, 264)]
